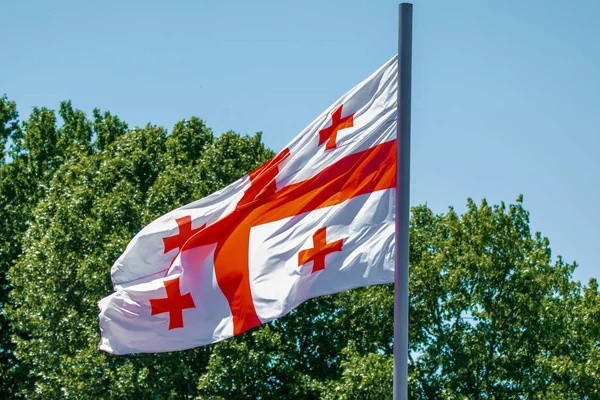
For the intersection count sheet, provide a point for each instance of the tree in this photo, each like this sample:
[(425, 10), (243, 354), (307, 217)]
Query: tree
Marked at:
[(573, 369), (33, 157), (99, 194), (488, 302), (8, 250)]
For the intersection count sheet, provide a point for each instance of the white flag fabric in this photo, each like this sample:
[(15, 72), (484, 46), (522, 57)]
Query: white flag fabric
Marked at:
[(317, 219)]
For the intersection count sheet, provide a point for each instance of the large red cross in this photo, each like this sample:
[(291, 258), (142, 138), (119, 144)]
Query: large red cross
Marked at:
[(317, 254), (329, 134), (356, 174), (360, 173), (174, 303)]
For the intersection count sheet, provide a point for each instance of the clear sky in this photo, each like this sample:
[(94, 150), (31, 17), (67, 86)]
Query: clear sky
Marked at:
[(506, 94)]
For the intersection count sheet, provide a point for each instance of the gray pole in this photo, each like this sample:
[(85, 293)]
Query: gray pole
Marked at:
[(402, 204)]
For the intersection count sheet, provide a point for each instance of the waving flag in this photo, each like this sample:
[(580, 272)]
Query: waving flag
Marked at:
[(316, 219)]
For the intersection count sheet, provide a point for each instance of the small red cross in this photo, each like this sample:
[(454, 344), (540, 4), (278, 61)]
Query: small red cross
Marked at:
[(317, 254), (174, 304), (329, 134), (185, 232)]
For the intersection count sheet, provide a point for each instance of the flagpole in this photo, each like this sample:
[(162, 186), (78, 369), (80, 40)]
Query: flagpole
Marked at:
[(401, 297)]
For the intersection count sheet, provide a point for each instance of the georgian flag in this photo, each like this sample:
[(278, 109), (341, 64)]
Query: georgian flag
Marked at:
[(315, 220)]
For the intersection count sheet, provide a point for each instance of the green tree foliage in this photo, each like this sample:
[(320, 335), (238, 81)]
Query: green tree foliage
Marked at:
[(492, 314), (98, 195), (8, 246), (574, 368), (487, 302)]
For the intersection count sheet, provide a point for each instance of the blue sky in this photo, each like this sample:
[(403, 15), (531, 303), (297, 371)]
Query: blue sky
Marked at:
[(505, 93)]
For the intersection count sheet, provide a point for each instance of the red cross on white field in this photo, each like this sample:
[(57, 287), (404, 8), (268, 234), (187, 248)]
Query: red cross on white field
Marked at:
[(185, 232), (338, 123), (174, 304), (317, 254)]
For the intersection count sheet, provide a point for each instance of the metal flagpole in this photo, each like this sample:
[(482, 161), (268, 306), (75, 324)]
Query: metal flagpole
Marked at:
[(402, 203)]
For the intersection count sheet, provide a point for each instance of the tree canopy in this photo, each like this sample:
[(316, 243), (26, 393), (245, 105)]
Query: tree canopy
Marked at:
[(493, 315)]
